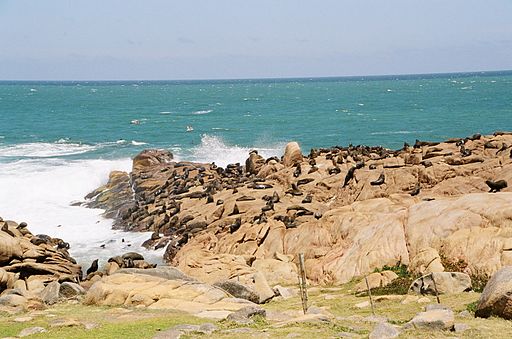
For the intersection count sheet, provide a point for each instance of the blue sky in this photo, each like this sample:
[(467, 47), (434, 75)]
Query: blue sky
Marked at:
[(153, 39)]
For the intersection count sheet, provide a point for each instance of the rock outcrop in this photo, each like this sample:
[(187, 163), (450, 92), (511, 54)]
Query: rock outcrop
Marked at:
[(496, 298), (32, 267), (155, 292), (348, 209)]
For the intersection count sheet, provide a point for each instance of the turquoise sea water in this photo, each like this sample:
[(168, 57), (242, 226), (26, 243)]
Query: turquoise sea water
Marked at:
[(249, 113), (59, 140)]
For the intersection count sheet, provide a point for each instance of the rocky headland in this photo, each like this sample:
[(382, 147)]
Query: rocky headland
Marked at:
[(431, 221), (431, 206)]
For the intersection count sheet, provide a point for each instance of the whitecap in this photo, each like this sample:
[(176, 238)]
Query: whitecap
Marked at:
[(203, 112), (360, 104), (33, 90), (214, 149), (165, 112), (138, 143), (45, 149)]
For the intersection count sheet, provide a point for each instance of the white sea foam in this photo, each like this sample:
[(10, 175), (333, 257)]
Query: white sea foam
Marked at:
[(214, 149), (165, 112), (138, 143), (40, 191), (45, 150), (203, 112), (398, 132)]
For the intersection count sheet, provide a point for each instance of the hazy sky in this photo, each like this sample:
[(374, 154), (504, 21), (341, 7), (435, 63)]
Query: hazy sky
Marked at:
[(191, 39)]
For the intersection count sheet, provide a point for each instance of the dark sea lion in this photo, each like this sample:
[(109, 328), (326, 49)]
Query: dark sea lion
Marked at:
[(372, 166), (245, 198), (219, 202), (416, 189), (235, 226), (294, 190), (93, 268), (349, 175), (133, 256), (496, 186), (334, 170), (308, 199), (379, 181), (489, 144), (298, 171), (313, 169), (235, 210), (304, 181), (275, 197), (209, 199), (464, 152), (5, 229), (268, 207)]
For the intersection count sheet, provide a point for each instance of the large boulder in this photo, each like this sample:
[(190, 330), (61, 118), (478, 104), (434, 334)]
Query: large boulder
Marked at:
[(9, 247), (445, 282), (438, 319), (254, 163), (496, 298), (292, 154), (159, 293), (150, 157), (238, 290), (375, 280)]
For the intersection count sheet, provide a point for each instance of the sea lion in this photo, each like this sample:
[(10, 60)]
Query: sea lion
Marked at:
[(219, 202), (304, 181), (235, 210), (133, 256), (245, 198), (308, 199), (416, 189), (298, 171), (489, 144), (235, 226), (209, 199), (379, 181), (93, 268), (372, 166), (313, 169), (5, 228), (334, 170), (496, 186), (349, 175), (268, 207), (275, 198), (294, 190), (464, 152)]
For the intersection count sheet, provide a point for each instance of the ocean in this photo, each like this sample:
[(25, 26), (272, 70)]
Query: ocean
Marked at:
[(59, 140)]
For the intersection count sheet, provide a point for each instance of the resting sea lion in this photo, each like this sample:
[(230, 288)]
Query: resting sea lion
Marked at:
[(496, 186)]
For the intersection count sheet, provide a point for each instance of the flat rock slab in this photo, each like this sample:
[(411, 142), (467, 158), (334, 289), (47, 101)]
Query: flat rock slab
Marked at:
[(438, 319), (384, 331), (158, 293), (31, 330)]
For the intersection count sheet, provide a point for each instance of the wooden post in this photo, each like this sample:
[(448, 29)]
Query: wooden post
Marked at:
[(302, 283), (369, 294), (435, 287)]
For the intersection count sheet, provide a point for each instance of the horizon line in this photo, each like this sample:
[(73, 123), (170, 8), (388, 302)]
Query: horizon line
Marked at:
[(483, 72)]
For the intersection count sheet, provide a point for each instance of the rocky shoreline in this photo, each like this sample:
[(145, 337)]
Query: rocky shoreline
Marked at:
[(427, 220), (351, 210)]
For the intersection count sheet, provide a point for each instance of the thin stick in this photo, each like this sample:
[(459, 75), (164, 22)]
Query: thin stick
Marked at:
[(435, 287), (370, 294), (302, 283)]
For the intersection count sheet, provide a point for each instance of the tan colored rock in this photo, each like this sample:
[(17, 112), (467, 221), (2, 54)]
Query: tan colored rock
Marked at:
[(438, 319), (159, 293), (292, 154), (276, 271), (427, 260), (9, 248), (375, 280), (496, 298), (262, 288), (445, 282)]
